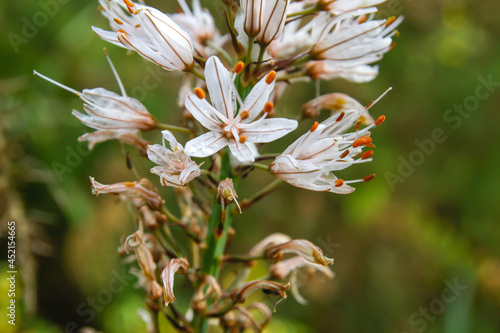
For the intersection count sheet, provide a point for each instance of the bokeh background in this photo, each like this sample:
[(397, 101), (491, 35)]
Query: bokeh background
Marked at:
[(429, 220)]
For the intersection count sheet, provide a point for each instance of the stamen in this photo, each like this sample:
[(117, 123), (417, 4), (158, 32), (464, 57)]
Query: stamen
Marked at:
[(339, 182), (243, 138), (367, 154), (362, 19), (358, 126), (238, 68), (137, 25), (130, 184), (122, 31), (345, 153), (118, 21), (393, 45), (380, 120), (342, 114), (270, 77), (363, 141), (368, 178), (244, 114), (314, 127), (113, 69), (268, 107), (368, 107), (129, 5), (370, 145), (57, 83), (200, 93), (390, 21)]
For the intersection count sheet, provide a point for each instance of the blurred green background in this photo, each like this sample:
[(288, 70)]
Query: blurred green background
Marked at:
[(428, 221)]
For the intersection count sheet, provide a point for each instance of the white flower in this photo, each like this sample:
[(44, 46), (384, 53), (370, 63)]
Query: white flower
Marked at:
[(273, 20), (351, 39), (154, 36), (309, 161), (113, 116), (226, 127), (341, 6), (199, 24), (324, 70), (252, 14), (175, 167)]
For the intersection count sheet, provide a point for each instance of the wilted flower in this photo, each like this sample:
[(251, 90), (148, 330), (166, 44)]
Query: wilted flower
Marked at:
[(142, 189), (242, 293), (176, 265), (273, 239), (324, 70), (226, 193), (154, 36), (209, 288), (175, 167), (227, 128), (341, 6), (300, 247)]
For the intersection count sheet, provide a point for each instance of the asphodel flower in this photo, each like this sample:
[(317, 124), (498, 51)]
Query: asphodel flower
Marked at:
[(142, 189), (113, 116), (341, 6), (324, 70), (199, 24), (176, 265), (155, 36), (175, 168), (273, 20), (336, 103), (309, 161), (352, 39), (300, 247), (227, 127)]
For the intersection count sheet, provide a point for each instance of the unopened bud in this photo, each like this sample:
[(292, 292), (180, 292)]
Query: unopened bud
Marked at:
[(226, 193)]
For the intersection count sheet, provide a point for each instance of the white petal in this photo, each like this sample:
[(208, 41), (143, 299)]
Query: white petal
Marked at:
[(268, 130), (257, 98), (109, 36), (174, 145), (203, 112), (157, 154), (206, 144), (241, 151), (220, 87)]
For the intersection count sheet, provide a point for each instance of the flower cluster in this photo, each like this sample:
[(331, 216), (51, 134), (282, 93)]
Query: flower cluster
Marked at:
[(234, 77)]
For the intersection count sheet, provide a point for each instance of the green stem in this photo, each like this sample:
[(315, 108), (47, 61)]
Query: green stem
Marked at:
[(216, 243), (261, 166), (196, 73), (174, 128), (221, 51), (307, 11), (249, 50)]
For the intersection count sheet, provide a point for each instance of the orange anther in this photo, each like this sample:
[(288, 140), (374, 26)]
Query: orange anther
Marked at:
[(339, 118), (270, 77), (268, 107), (238, 68), (390, 20), (243, 138), (368, 178), (339, 182), (367, 154), (118, 21), (314, 126), (370, 145), (363, 141), (362, 19), (345, 153), (393, 45), (244, 114), (129, 184), (137, 25), (380, 120), (358, 125), (200, 93), (129, 3), (122, 31)]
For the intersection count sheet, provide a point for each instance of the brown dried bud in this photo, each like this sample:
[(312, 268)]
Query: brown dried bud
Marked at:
[(177, 265), (269, 287)]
